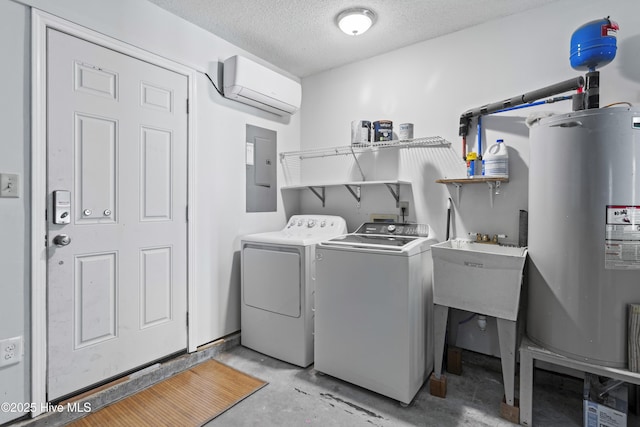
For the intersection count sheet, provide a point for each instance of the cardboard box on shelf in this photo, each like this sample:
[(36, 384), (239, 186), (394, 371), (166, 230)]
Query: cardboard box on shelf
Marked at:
[(605, 402)]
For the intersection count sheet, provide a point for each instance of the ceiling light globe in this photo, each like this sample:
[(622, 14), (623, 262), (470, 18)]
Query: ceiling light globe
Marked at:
[(355, 21)]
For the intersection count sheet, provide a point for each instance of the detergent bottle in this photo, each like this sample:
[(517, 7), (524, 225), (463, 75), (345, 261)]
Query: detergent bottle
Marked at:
[(495, 162)]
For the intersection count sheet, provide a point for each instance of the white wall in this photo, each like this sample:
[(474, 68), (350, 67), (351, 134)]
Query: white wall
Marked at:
[(431, 83), (219, 208), (14, 213)]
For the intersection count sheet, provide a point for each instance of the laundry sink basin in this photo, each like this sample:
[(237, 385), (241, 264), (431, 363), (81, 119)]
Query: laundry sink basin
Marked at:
[(478, 277)]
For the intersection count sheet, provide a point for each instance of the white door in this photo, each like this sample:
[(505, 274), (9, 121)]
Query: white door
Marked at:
[(117, 164)]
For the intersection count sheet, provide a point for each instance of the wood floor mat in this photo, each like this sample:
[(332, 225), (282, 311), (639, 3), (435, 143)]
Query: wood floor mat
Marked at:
[(190, 398)]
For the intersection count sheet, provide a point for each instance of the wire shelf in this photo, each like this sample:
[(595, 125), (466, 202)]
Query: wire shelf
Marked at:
[(432, 141)]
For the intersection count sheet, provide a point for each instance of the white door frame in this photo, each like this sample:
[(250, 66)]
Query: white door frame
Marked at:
[(40, 21)]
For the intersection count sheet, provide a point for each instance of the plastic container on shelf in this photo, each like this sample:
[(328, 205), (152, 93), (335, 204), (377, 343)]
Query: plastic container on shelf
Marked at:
[(405, 131), (495, 162), (382, 130), (360, 133), (472, 158)]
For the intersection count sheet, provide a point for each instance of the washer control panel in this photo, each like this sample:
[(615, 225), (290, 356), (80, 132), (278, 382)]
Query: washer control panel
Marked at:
[(316, 225), (400, 229)]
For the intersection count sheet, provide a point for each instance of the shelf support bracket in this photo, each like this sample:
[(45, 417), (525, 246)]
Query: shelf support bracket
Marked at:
[(319, 194), (396, 193), (355, 158), (355, 191), (458, 191), (493, 185)]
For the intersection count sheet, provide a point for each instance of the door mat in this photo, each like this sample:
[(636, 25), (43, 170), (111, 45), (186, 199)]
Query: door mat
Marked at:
[(191, 398)]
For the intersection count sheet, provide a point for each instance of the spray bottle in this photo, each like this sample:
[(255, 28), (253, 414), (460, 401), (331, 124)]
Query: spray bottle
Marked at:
[(471, 164)]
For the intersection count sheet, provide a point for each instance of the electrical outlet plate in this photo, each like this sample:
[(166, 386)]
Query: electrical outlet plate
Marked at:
[(8, 185), (11, 351), (404, 204)]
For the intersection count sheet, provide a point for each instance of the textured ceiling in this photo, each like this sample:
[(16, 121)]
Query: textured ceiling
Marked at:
[(301, 36)]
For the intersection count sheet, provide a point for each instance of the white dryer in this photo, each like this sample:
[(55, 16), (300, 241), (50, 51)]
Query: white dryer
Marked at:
[(278, 272), (374, 308)]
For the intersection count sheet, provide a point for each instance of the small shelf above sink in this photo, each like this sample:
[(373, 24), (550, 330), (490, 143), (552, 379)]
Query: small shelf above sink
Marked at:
[(492, 182)]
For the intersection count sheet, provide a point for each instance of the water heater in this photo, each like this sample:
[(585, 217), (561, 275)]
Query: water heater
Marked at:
[(584, 232)]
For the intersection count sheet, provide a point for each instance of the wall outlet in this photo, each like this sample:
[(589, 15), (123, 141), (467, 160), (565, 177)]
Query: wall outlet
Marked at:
[(405, 205), (11, 351), (8, 185)]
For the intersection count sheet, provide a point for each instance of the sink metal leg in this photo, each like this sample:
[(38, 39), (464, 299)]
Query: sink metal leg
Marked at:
[(507, 338), (438, 382), (509, 408), (440, 315), (526, 387)]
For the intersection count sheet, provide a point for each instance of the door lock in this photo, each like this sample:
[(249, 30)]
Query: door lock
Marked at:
[(61, 207), (61, 240)]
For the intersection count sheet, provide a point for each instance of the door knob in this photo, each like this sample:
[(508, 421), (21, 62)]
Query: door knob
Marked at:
[(61, 240)]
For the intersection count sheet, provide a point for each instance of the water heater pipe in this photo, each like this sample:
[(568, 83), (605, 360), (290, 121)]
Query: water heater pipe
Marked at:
[(529, 97), (480, 137), (448, 218), (464, 147), (533, 104)]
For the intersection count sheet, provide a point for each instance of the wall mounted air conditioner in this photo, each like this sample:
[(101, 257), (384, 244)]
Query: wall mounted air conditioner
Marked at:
[(251, 83)]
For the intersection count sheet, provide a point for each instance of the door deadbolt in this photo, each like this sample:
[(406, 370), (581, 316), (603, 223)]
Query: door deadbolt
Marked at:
[(61, 240), (61, 207)]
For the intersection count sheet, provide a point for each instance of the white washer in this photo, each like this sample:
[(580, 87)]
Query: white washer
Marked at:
[(278, 271), (374, 308)]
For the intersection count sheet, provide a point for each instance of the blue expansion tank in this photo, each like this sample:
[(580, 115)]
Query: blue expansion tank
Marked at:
[(593, 44)]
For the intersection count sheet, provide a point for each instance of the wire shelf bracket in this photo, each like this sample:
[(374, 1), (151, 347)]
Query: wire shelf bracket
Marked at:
[(319, 192)]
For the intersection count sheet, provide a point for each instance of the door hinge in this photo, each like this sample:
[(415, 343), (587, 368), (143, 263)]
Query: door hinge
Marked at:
[(186, 212), (187, 105), (187, 319), (46, 241)]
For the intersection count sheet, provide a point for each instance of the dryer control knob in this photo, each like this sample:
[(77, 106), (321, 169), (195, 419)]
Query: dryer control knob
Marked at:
[(323, 223), (311, 223), (391, 228)]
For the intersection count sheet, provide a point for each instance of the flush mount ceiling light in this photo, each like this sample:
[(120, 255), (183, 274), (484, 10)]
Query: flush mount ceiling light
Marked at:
[(355, 21)]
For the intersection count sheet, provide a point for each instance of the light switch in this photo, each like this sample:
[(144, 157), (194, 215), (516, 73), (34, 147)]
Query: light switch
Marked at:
[(8, 185)]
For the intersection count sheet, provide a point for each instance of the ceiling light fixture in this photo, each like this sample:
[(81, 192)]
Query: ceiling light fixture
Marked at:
[(355, 21)]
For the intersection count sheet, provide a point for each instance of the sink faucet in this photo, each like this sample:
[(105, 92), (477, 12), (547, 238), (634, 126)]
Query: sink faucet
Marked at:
[(484, 238), (496, 237)]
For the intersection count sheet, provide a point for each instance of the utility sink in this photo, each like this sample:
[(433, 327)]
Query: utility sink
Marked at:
[(481, 278)]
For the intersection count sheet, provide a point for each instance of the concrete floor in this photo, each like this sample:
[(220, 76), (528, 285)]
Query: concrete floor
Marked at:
[(300, 397)]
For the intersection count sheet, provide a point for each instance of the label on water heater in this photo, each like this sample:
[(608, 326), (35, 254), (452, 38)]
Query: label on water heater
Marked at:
[(622, 238)]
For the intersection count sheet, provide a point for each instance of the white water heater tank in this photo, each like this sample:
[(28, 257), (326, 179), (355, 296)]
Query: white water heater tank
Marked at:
[(584, 232)]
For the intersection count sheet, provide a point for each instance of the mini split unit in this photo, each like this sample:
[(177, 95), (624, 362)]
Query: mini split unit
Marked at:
[(251, 83)]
